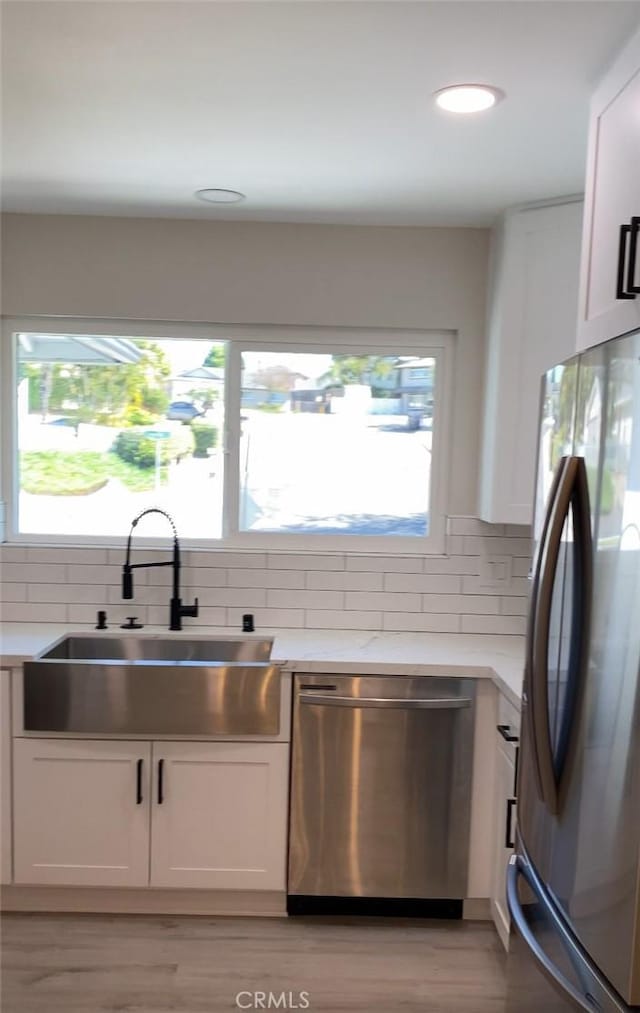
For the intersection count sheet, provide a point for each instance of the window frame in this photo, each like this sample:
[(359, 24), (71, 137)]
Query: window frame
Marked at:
[(240, 338)]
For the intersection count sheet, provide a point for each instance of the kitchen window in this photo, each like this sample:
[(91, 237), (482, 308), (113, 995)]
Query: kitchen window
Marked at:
[(247, 437)]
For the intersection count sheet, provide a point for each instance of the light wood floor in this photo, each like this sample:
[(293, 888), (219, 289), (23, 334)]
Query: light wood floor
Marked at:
[(143, 964)]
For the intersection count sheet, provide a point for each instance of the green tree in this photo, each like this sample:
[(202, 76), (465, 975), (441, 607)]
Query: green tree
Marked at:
[(360, 368), (204, 397), (215, 357), (103, 393)]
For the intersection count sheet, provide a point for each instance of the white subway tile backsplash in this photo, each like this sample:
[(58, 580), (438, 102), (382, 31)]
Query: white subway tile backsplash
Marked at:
[(385, 602), (520, 566), (475, 545), (305, 599), (44, 554), (343, 620), (452, 564), (385, 564), (36, 573), (266, 578), (477, 585), (12, 554), (423, 583), (493, 624), (97, 575), (231, 560), (198, 576), (158, 615), (455, 545), (419, 622), (282, 589), (27, 612), (345, 580), (459, 603), (245, 598), (70, 593), (116, 614), (304, 561), (514, 606), (265, 618)]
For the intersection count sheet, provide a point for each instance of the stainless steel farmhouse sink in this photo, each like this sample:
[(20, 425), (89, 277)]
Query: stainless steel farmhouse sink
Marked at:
[(152, 648), (146, 685)]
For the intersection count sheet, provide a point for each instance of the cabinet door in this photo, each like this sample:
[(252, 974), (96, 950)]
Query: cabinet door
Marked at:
[(81, 812), (531, 327), (612, 198), (5, 776), (219, 815), (505, 824)]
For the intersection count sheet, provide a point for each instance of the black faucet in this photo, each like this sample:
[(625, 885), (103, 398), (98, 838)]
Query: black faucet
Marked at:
[(176, 609)]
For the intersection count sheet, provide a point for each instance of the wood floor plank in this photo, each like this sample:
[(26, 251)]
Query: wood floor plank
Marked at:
[(143, 964)]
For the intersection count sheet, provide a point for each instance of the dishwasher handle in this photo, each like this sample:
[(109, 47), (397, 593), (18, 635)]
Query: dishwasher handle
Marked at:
[(399, 703)]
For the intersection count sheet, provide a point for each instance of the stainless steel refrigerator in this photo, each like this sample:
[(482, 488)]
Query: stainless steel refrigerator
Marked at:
[(574, 880)]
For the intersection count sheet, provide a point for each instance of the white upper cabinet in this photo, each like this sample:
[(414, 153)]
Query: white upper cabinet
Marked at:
[(608, 304), (531, 326)]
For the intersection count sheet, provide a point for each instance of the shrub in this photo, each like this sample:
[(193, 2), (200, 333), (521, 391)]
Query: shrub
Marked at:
[(135, 447), (136, 416), (205, 437), (181, 444)]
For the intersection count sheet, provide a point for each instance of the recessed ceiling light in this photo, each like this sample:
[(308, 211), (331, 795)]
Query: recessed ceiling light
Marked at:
[(216, 196), (468, 98)]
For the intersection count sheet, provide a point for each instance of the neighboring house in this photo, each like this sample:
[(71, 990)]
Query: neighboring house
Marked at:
[(201, 378), (415, 384)]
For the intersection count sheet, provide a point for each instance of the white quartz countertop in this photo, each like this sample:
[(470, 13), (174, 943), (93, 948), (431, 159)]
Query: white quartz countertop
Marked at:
[(500, 658)]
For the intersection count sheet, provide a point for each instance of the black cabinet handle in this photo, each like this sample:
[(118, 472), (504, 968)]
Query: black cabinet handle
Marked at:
[(633, 252), (160, 782), (139, 782), (505, 731), (621, 292), (508, 838)]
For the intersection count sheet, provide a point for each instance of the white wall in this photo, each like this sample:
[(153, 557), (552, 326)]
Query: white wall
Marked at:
[(167, 269), (274, 274)]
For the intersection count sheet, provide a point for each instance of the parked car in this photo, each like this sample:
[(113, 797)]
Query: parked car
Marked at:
[(183, 411)]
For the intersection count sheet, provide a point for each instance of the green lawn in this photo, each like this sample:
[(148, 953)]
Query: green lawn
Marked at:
[(60, 473)]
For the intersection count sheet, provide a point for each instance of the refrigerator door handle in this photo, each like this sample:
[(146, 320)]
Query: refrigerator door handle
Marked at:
[(519, 867), (580, 622), (536, 668), (571, 491)]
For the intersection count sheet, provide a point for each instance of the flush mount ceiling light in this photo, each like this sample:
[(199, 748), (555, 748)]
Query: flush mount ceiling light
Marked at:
[(468, 98), (215, 196)]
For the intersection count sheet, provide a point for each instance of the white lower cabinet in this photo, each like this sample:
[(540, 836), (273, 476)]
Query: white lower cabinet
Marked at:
[(167, 814), (79, 816), (219, 815), (5, 777), (505, 828)]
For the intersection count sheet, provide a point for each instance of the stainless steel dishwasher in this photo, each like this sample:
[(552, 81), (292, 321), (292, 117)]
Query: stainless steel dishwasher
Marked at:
[(380, 790)]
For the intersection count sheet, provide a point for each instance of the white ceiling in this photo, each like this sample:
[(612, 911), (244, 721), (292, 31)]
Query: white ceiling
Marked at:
[(318, 111)]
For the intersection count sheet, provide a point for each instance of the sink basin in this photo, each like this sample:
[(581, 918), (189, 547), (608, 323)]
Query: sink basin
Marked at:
[(150, 648), (146, 685)]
